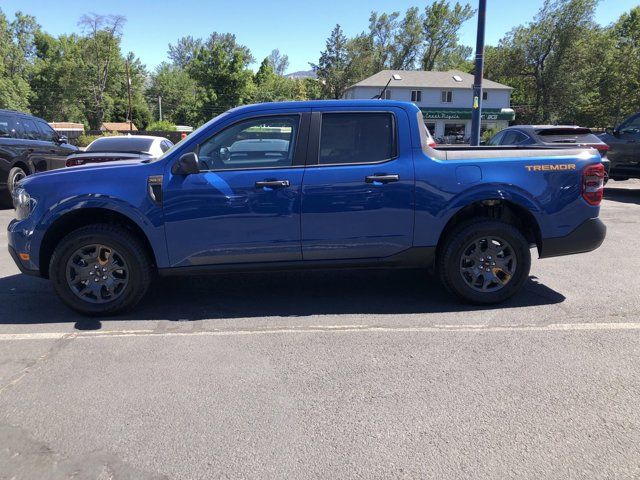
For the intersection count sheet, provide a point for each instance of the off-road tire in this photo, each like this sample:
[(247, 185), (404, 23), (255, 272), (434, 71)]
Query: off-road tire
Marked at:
[(121, 240), (452, 250)]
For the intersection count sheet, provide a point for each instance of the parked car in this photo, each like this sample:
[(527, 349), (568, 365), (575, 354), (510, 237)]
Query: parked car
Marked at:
[(121, 147), (356, 186), (624, 152), (27, 145), (552, 136)]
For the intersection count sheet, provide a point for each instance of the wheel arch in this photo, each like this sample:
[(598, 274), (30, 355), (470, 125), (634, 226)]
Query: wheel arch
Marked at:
[(24, 165), (496, 208), (81, 217)]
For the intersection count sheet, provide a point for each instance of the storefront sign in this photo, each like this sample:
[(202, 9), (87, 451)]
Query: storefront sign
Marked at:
[(465, 114)]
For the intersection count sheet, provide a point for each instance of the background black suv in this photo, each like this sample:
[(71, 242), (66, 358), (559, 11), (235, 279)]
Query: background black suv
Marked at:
[(624, 153), (27, 145)]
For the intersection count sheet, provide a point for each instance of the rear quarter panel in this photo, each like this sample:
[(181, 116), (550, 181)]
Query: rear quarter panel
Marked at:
[(554, 197)]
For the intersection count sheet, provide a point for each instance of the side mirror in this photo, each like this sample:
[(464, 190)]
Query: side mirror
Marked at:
[(186, 165), (612, 131), (62, 139)]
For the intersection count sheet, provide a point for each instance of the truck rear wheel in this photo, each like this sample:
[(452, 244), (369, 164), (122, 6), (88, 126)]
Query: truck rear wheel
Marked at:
[(100, 270), (484, 261)]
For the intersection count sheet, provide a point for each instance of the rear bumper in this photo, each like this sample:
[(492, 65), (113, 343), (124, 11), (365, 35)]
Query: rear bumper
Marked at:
[(586, 237)]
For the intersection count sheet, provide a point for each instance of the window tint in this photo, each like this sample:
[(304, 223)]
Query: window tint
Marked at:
[(356, 138), (6, 125), (513, 137), (46, 132), (165, 145), (632, 125), (495, 140), (30, 131), (263, 142), (123, 143)]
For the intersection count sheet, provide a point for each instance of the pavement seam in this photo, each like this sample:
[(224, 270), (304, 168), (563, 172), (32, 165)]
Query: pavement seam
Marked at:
[(57, 346)]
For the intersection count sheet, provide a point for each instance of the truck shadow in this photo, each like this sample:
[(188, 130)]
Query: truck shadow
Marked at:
[(30, 300), (622, 195)]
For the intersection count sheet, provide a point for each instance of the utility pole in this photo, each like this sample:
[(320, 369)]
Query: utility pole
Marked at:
[(476, 112), (129, 116), (160, 106)]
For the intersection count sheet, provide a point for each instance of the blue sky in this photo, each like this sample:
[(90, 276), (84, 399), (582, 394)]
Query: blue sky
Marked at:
[(298, 28)]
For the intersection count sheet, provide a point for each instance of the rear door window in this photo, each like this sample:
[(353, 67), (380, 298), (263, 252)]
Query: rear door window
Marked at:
[(29, 129), (514, 137), (496, 139), (365, 137), (7, 125)]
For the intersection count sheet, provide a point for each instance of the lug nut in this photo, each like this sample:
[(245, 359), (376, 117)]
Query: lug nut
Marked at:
[(104, 269)]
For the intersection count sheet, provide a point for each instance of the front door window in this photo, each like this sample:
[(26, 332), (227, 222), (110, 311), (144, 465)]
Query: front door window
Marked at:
[(265, 142)]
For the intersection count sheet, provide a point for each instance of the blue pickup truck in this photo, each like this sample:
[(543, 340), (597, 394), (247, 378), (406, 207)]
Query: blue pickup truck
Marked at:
[(322, 184)]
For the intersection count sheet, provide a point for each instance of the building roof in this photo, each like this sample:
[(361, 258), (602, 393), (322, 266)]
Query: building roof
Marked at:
[(117, 126), (424, 79), (66, 126)]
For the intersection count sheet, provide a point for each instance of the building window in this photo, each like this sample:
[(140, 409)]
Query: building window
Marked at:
[(447, 96), (416, 95), (485, 95), (387, 94)]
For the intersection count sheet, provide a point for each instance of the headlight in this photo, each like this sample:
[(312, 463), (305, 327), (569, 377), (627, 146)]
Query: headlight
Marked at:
[(23, 203)]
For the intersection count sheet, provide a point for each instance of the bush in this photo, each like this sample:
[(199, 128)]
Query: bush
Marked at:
[(85, 140), (488, 134), (163, 126)]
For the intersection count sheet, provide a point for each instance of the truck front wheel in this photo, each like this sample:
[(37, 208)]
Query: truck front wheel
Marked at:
[(484, 261), (100, 270)]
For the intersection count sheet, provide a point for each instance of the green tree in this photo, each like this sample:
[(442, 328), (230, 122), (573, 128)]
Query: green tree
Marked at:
[(58, 80), (220, 69), (17, 49), (179, 93), (102, 48), (441, 26), (278, 62), (183, 51), (408, 41), (541, 59), (331, 68), (619, 79)]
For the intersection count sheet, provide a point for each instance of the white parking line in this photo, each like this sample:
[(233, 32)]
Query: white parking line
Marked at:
[(554, 327)]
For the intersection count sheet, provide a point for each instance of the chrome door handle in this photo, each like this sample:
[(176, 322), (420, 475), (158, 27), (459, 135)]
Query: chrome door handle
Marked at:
[(381, 178), (273, 184)]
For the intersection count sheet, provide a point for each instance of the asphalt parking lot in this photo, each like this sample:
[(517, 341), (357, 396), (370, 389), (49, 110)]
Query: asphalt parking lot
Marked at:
[(366, 374)]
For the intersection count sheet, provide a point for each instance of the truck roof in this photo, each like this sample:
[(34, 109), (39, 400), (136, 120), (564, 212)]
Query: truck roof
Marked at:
[(327, 103)]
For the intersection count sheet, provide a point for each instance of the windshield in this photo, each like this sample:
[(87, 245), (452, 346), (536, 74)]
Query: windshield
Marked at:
[(120, 144)]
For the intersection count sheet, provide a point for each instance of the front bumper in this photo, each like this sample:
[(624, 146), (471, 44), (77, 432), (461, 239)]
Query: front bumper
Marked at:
[(20, 241), (586, 237)]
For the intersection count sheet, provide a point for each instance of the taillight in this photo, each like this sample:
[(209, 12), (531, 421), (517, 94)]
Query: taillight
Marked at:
[(593, 184), (602, 149), (432, 144), (73, 162)]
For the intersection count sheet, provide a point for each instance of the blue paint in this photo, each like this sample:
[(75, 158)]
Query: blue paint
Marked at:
[(328, 212)]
